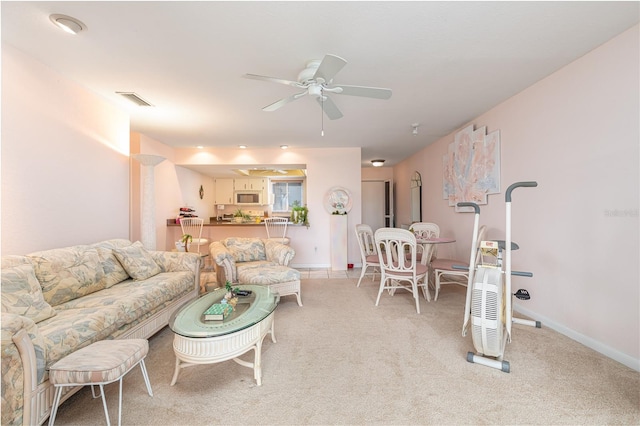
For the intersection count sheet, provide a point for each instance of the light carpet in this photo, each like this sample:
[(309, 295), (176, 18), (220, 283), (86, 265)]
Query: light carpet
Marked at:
[(341, 360)]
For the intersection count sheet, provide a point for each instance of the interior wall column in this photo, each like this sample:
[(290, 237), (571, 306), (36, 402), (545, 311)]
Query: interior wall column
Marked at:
[(148, 210)]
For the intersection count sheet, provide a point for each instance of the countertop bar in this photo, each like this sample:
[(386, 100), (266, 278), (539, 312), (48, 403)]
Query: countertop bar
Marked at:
[(172, 222)]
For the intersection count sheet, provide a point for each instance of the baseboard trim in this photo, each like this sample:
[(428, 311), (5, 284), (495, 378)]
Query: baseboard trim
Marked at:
[(589, 342), (310, 265)]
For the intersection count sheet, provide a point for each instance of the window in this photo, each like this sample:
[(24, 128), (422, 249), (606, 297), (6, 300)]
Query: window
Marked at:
[(285, 194)]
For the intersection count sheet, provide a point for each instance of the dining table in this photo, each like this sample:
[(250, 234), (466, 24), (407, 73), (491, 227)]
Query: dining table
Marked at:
[(429, 245)]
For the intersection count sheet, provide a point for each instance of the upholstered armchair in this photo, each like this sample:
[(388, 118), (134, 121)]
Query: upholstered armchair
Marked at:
[(256, 261), (233, 253)]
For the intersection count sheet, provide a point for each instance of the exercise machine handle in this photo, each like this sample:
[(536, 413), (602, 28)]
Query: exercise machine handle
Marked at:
[(476, 208), (507, 194)]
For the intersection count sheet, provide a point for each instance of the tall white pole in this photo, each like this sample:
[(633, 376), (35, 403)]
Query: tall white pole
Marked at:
[(148, 210)]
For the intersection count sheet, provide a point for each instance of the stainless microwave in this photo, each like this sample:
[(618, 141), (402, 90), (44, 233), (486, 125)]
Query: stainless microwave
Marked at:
[(248, 198)]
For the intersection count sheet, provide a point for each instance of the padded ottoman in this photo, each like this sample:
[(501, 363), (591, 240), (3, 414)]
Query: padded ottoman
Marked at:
[(99, 364), (281, 279)]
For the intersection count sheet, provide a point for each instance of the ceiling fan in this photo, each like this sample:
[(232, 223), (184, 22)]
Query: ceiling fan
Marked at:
[(317, 80)]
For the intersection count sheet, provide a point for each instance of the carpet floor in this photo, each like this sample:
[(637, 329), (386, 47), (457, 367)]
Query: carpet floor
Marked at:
[(341, 360)]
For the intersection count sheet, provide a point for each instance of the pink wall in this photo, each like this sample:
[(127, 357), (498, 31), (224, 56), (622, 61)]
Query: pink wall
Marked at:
[(64, 160), (576, 133)]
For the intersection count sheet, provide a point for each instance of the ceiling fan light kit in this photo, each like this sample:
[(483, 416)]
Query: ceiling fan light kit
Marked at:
[(317, 80)]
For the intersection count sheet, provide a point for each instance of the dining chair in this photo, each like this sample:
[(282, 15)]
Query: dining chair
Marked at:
[(277, 229), (396, 267), (445, 273), (425, 230), (368, 251), (193, 227)]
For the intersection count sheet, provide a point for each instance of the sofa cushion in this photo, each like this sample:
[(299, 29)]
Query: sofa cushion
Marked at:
[(107, 313), (137, 261), (67, 273), (245, 249), (114, 273), (265, 273), (22, 294)]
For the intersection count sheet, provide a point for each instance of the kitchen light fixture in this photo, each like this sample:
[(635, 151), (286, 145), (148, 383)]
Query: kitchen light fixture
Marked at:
[(67, 23), (135, 98), (377, 163), (415, 128)]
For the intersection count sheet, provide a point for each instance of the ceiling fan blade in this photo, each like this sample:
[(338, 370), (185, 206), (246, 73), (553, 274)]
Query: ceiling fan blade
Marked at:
[(329, 67), (282, 102), (368, 92), (272, 79), (329, 108)]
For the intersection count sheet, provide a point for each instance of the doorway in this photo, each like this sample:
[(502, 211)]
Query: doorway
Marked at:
[(377, 206)]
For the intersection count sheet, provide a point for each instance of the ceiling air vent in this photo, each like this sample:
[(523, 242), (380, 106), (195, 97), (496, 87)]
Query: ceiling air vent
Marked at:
[(135, 98)]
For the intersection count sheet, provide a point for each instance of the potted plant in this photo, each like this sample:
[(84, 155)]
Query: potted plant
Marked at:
[(299, 214), (183, 243), (238, 216), (231, 297)]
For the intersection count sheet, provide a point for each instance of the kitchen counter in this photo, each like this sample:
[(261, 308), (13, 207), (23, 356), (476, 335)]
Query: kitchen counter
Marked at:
[(227, 223), (219, 230)]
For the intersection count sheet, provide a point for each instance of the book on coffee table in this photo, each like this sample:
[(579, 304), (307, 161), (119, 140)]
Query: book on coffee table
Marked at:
[(217, 312)]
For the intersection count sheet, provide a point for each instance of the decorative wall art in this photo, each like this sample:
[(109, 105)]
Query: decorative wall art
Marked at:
[(471, 167)]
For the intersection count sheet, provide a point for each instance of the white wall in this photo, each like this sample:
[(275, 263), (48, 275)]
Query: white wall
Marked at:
[(576, 133), (175, 187), (326, 168), (64, 160)]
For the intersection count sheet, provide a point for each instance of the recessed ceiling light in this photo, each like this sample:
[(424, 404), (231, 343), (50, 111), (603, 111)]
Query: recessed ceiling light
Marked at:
[(377, 163), (67, 23), (284, 146), (242, 146)]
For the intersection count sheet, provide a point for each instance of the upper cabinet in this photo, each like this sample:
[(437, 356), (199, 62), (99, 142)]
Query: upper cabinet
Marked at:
[(249, 184), (224, 191)]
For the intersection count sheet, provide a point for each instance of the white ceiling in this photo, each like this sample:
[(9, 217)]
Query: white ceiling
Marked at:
[(446, 62)]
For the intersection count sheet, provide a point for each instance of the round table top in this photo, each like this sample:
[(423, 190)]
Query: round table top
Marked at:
[(435, 240)]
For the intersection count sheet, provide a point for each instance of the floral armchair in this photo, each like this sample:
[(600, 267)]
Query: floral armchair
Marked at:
[(233, 253)]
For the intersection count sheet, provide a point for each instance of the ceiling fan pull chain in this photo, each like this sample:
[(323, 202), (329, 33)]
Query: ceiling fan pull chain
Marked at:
[(322, 113)]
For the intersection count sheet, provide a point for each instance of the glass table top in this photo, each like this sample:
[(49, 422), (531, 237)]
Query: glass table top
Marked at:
[(189, 320)]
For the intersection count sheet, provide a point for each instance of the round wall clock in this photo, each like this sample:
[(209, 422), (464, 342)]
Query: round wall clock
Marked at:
[(338, 199)]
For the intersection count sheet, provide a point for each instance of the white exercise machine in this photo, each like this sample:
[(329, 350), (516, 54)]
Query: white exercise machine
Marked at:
[(488, 308)]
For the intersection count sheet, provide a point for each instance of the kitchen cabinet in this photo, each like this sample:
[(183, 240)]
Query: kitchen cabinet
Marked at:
[(224, 191), (249, 184)]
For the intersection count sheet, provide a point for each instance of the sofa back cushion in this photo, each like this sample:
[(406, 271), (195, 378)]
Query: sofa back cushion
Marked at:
[(137, 261), (68, 273), (114, 272), (22, 294), (245, 249)]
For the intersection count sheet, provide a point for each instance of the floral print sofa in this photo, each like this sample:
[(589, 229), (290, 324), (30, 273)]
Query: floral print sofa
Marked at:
[(57, 301), (256, 261)]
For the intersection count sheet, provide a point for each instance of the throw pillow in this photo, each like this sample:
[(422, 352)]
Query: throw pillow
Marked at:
[(137, 261), (245, 249), (67, 273), (114, 273), (22, 294)]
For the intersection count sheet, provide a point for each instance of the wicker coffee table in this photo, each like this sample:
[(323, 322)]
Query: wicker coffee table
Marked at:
[(197, 341)]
